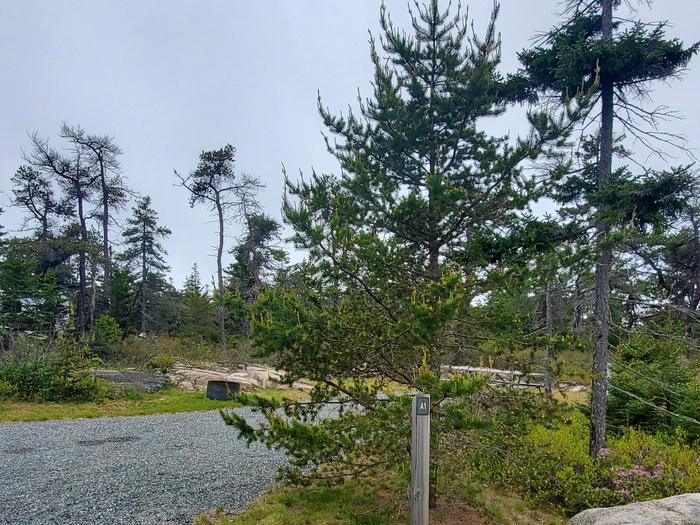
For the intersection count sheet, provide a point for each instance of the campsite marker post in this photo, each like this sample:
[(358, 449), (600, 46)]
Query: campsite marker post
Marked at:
[(420, 458)]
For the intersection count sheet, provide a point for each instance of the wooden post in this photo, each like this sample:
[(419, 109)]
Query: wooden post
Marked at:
[(420, 458)]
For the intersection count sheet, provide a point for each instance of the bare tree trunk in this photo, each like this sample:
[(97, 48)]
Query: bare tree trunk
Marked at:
[(549, 325), (93, 289), (599, 387), (144, 282), (107, 279), (80, 322), (221, 311)]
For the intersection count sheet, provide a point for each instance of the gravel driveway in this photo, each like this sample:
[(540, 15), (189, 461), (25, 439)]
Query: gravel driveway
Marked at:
[(143, 469)]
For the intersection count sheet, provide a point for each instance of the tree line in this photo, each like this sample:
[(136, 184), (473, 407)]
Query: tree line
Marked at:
[(68, 270)]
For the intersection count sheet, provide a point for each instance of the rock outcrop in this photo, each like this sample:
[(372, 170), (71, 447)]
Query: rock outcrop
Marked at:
[(143, 381), (676, 510), (249, 377)]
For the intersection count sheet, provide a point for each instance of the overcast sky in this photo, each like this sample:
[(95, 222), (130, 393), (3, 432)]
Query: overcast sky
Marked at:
[(170, 78)]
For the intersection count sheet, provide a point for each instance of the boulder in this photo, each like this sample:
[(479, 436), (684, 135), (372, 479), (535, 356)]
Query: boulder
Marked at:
[(676, 510), (222, 390)]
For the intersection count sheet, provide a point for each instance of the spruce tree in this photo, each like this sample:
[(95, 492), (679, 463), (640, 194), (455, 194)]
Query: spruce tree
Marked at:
[(144, 254), (256, 257), (616, 59)]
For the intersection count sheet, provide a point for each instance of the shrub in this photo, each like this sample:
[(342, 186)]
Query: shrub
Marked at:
[(654, 369), (62, 375), (107, 336), (162, 362), (550, 464)]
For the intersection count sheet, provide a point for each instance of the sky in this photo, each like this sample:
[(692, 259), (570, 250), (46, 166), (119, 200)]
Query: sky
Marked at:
[(168, 79)]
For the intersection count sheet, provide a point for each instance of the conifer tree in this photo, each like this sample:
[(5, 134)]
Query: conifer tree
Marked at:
[(144, 254), (391, 241), (215, 184), (616, 58), (256, 256)]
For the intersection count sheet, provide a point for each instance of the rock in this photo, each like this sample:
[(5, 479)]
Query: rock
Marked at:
[(222, 390), (676, 510), (132, 379), (185, 385)]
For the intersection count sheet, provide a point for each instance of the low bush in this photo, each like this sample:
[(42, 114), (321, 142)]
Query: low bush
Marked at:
[(548, 462), (64, 374), (161, 362)]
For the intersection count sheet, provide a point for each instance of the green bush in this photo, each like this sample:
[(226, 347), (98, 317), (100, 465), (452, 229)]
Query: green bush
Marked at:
[(107, 336), (549, 463), (162, 362), (653, 368), (62, 375)]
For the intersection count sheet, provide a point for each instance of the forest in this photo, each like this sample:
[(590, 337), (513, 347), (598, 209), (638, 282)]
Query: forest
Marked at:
[(424, 251)]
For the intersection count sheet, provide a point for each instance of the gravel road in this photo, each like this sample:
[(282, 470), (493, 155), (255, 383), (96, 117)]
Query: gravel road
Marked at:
[(161, 469)]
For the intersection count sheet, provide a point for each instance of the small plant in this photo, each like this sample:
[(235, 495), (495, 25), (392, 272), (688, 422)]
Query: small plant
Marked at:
[(107, 336), (62, 374), (161, 362)]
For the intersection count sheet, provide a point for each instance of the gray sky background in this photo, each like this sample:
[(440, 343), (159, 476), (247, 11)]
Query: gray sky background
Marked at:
[(168, 79)]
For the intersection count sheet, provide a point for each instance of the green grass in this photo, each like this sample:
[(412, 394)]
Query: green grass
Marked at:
[(166, 401), (352, 503), (379, 501)]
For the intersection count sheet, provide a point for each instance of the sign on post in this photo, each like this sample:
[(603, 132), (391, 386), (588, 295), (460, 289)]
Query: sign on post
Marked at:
[(420, 458)]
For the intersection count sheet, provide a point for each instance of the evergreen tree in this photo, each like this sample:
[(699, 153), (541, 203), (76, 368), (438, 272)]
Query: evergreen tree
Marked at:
[(144, 254), (215, 184), (78, 179), (34, 192), (256, 257), (391, 242), (197, 318), (103, 154), (617, 59)]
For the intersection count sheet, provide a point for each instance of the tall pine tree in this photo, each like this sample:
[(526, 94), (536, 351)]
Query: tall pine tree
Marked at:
[(391, 241)]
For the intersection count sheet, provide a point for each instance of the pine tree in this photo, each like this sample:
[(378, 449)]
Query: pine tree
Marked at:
[(391, 242), (144, 255), (215, 184), (593, 51), (197, 318)]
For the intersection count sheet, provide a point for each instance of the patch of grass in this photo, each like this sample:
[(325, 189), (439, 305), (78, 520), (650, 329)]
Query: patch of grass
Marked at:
[(380, 501), (351, 503), (169, 400)]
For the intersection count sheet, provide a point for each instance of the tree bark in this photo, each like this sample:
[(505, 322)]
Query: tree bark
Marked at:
[(599, 387), (144, 282), (549, 328), (106, 283), (80, 322), (221, 312)]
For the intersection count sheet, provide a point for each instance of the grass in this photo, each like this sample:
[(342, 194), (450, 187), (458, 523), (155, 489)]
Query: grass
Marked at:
[(378, 501), (169, 400)]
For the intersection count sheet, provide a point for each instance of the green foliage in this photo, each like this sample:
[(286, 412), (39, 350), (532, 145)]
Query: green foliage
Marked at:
[(31, 299), (651, 365), (161, 362), (256, 259), (552, 456), (63, 375), (107, 336), (575, 58)]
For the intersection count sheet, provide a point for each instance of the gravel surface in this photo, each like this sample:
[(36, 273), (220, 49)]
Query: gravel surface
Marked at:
[(161, 469)]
